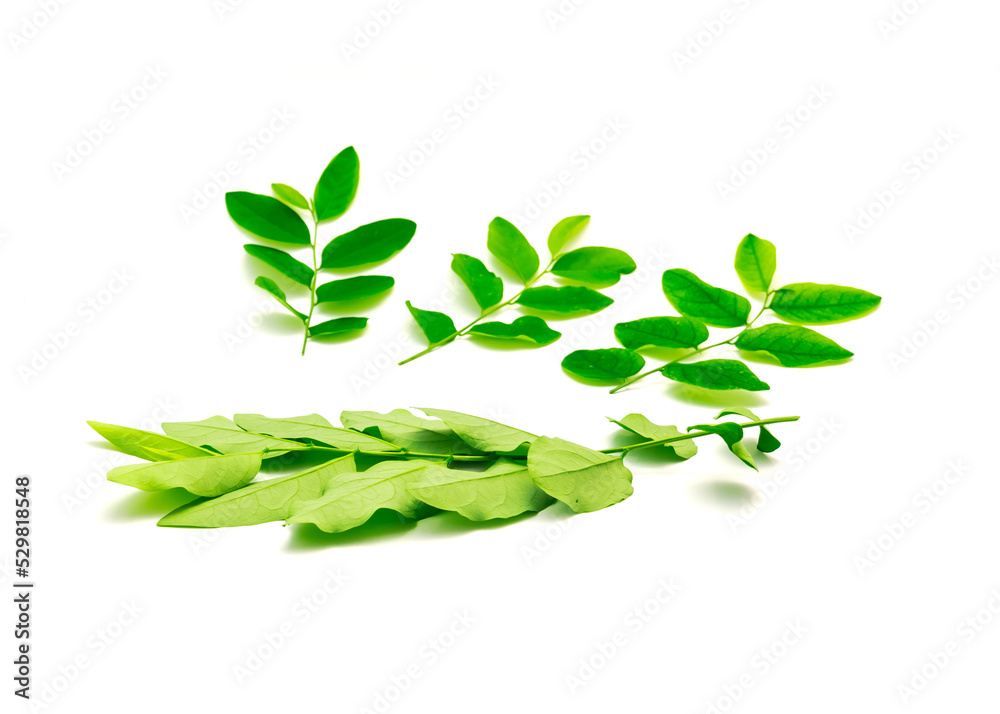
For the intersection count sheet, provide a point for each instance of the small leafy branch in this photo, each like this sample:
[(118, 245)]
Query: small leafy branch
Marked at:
[(702, 305), (584, 268), (475, 467), (279, 221)]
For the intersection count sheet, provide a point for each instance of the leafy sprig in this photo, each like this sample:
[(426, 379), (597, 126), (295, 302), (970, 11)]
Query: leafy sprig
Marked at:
[(279, 221), (582, 270), (702, 306), (476, 467)]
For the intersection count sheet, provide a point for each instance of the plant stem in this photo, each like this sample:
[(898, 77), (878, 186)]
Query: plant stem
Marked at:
[(312, 285), (693, 435)]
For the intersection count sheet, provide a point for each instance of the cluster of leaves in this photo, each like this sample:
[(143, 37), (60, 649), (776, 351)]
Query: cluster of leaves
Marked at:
[(582, 270), (702, 306), (478, 468), (279, 221)]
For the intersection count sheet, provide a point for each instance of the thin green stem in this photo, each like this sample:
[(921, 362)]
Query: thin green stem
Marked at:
[(693, 435), (312, 284)]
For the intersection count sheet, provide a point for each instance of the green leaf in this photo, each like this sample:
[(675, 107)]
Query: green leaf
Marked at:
[(267, 217), (226, 437), (436, 326), (593, 265), (279, 294), (528, 329), (370, 243), (504, 490), (313, 427), (363, 286), (583, 479), (147, 444), (641, 426), (512, 249), (671, 332), (290, 196), (607, 365), (566, 230), (350, 499), (732, 434), (792, 345), (715, 374), (755, 262), (567, 299), (202, 476), (484, 434), (407, 431), (259, 502), (484, 285), (338, 326), (338, 185), (766, 441), (815, 304), (282, 262), (714, 306)]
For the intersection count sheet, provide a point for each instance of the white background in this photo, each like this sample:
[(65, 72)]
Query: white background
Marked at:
[(546, 591)]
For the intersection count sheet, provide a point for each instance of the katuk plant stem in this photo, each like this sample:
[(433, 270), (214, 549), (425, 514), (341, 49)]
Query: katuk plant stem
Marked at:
[(312, 284)]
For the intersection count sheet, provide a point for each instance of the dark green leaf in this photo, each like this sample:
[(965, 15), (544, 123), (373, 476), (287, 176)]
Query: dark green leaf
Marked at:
[(370, 243), (279, 294), (594, 265), (766, 441), (583, 479), (732, 434), (815, 304), (290, 196), (267, 217), (792, 345), (695, 298), (282, 262), (362, 286), (436, 326), (756, 260), (338, 185), (566, 230), (672, 332), (338, 325), (614, 364), (715, 374), (567, 299), (512, 249), (641, 426), (484, 285), (528, 328)]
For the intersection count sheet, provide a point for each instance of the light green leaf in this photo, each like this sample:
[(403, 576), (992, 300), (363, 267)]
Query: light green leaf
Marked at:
[(641, 426), (792, 345), (504, 490), (363, 286), (715, 374), (338, 326), (593, 265), (512, 249), (282, 262), (732, 434), (259, 502), (290, 196), (606, 365), (279, 294), (202, 476), (267, 217), (528, 329), (670, 332), (147, 444), (338, 185), (815, 304), (486, 287), (695, 298), (436, 326), (350, 499), (567, 299), (407, 431), (766, 441), (566, 230), (226, 437), (313, 427), (370, 243), (583, 479), (755, 262), (484, 434)]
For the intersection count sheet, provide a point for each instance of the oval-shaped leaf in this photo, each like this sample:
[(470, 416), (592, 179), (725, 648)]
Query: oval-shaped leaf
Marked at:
[(755, 262), (408, 431), (147, 444), (486, 287), (512, 249), (614, 364), (583, 479), (792, 345), (567, 299), (564, 231), (641, 426), (484, 434), (594, 265), (279, 294), (267, 217), (504, 490), (528, 329), (695, 298), (436, 326), (671, 332), (315, 428), (290, 196), (338, 185), (202, 476), (815, 304), (363, 286), (715, 374), (282, 262), (338, 326), (370, 243)]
